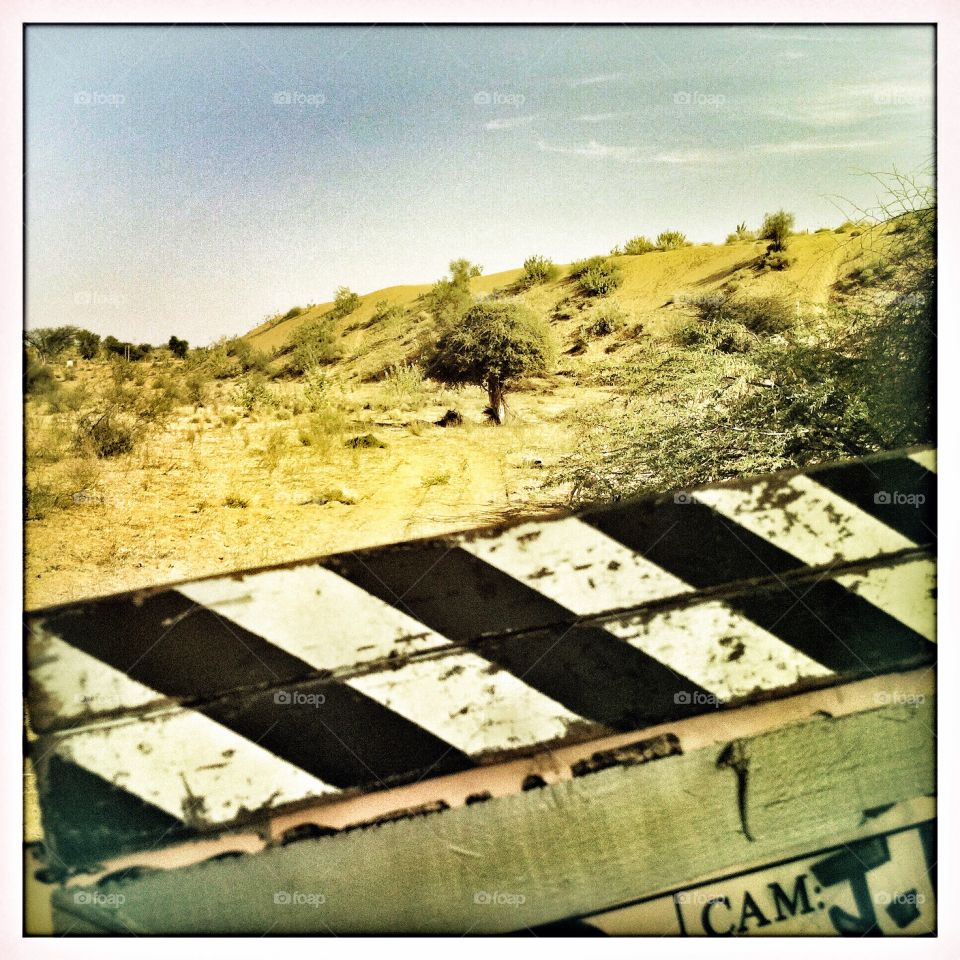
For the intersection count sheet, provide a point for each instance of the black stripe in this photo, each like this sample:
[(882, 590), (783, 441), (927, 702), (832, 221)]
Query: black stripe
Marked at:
[(87, 819), (588, 670), (835, 627), (898, 492), (692, 541), (183, 650), (346, 739)]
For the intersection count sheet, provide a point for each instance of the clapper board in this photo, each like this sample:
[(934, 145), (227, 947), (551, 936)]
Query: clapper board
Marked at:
[(677, 714)]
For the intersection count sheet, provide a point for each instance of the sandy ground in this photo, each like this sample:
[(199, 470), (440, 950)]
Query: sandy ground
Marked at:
[(163, 516)]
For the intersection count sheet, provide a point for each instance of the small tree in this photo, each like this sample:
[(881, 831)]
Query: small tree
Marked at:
[(178, 347), (777, 228), (493, 345), (88, 344), (50, 342)]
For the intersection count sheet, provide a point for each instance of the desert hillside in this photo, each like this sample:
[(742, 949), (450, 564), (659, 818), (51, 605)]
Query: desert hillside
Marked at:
[(226, 460)]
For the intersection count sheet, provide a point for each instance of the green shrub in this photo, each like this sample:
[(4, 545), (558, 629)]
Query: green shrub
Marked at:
[(42, 499), (538, 269), (366, 441), (672, 240), (596, 276), (404, 383), (291, 313), (313, 343), (776, 260), (105, 434), (762, 315), (68, 399), (322, 428), (38, 379), (637, 245), (606, 318), (868, 275), (235, 502), (345, 301), (579, 267), (252, 393), (385, 312)]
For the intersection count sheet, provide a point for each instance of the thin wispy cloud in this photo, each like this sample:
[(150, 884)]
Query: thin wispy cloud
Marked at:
[(592, 81), (818, 146), (592, 149), (508, 123), (589, 149), (596, 117)]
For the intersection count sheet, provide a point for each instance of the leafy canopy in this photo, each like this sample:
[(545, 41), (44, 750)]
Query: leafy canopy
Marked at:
[(494, 341)]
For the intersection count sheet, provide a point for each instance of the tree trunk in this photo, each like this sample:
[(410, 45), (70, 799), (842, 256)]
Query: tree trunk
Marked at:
[(495, 394)]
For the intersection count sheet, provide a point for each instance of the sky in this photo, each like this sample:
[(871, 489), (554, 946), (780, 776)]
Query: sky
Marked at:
[(195, 180)]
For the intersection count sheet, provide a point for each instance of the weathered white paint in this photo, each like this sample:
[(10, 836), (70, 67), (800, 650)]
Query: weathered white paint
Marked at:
[(719, 649), (576, 565), (468, 702), (905, 591), (314, 614), (805, 519)]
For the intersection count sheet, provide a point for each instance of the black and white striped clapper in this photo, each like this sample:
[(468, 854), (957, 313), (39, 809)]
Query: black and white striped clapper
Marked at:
[(169, 714)]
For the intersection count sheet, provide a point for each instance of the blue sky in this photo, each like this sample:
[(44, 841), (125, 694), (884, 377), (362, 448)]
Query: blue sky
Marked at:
[(193, 180)]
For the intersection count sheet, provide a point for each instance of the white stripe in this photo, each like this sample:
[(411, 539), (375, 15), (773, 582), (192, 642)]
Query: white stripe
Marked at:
[(170, 757), (719, 649), (805, 519), (905, 592), (576, 565), (926, 458), (469, 702), (68, 684), (314, 614)]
